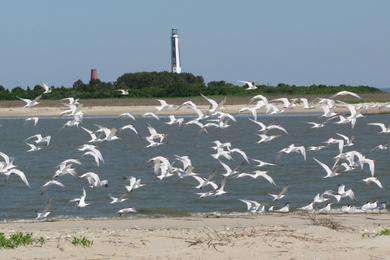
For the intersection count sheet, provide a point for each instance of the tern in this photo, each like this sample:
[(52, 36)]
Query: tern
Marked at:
[(131, 127), (272, 109), (262, 163), (257, 174), (51, 183), (259, 98), (319, 198), (203, 127), (266, 138), (343, 193), (33, 148), (175, 121), (33, 119), (348, 141), (80, 202), (150, 114), (284, 209), (229, 171), (369, 206), (294, 149), (279, 196), (325, 209), (252, 110), (120, 199), (306, 104), (216, 192), (46, 88), (18, 173), (340, 143), (344, 93), (286, 102), (269, 127), (194, 107), (110, 134), (7, 164), (347, 167), (373, 180), (331, 193), (126, 211), (309, 207), (123, 92), (214, 106), (204, 182), (382, 126), (164, 105), (65, 167), (327, 111), (46, 211), (329, 172), (241, 152), (162, 168), (316, 125), (316, 148), (134, 184), (249, 84), (97, 156), (381, 147), (29, 102), (155, 135), (94, 180), (251, 205), (93, 136), (40, 139), (128, 115)]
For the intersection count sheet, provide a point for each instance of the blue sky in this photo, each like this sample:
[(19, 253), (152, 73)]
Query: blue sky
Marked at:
[(295, 42)]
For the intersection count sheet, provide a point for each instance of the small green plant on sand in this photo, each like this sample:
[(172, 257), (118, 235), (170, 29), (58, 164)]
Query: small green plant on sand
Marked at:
[(19, 239), (82, 241), (384, 232)]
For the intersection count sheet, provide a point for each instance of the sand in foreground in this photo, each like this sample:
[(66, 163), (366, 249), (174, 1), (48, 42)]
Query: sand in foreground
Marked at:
[(252, 237)]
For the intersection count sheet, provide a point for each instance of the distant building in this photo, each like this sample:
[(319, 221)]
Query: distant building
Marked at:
[(175, 52), (94, 75)]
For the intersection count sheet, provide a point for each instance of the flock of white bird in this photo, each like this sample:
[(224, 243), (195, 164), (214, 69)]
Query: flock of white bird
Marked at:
[(214, 117)]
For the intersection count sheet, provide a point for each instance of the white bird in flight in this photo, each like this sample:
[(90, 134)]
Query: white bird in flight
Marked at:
[(128, 115), (29, 102), (46, 88), (383, 127), (279, 196), (329, 172), (33, 119), (345, 93), (251, 85), (164, 105), (126, 211), (80, 202), (46, 211), (373, 180), (123, 92)]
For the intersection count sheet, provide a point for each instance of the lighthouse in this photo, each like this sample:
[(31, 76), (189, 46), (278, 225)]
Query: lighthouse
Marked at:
[(175, 52)]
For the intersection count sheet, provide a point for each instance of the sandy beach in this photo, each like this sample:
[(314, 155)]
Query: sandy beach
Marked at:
[(289, 236), (139, 106), (138, 110)]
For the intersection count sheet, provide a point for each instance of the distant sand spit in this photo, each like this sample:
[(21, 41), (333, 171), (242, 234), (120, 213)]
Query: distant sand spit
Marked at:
[(139, 110)]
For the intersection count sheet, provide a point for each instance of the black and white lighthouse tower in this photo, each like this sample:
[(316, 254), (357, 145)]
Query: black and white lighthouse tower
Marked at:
[(175, 52)]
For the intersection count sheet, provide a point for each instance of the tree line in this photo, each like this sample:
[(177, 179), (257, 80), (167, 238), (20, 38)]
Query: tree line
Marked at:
[(167, 84)]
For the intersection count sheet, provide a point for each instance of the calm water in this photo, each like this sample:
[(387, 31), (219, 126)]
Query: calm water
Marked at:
[(174, 196)]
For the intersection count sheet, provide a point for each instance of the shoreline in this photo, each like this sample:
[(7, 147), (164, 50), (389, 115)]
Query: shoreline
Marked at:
[(290, 236), (115, 111)]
